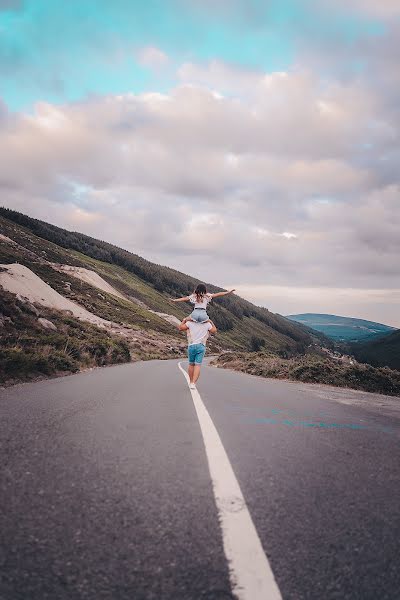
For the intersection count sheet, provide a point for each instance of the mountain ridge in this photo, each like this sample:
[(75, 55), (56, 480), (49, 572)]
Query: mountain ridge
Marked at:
[(343, 329)]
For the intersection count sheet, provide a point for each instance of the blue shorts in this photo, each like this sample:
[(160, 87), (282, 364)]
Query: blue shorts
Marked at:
[(196, 353), (200, 315)]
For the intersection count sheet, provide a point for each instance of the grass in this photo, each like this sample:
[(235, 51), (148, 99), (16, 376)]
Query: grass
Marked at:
[(312, 368), (28, 350)]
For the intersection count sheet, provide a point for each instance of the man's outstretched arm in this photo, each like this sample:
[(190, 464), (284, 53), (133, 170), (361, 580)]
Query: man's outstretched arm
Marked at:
[(183, 326)]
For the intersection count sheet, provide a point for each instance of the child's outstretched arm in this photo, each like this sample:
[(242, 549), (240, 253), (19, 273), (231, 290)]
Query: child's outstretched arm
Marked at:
[(184, 299), (219, 294)]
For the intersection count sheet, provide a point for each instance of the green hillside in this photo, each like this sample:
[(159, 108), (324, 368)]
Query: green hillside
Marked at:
[(342, 329), (381, 352), (236, 318), (146, 288)]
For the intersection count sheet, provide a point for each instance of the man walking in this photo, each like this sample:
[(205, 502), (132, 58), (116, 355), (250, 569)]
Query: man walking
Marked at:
[(197, 334)]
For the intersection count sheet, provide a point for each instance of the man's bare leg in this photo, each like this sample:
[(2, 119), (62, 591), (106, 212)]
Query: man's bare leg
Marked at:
[(190, 373), (194, 373)]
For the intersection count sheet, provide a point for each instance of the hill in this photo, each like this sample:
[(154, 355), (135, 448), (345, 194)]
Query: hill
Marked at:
[(125, 292), (342, 329), (381, 352)]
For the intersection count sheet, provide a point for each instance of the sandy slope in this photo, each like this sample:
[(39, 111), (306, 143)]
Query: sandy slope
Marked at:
[(169, 318), (90, 277), (4, 238), (94, 279), (20, 280)]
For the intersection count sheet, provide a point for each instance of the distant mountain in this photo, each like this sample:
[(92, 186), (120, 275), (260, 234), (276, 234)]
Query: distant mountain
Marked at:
[(343, 329), (382, 352)]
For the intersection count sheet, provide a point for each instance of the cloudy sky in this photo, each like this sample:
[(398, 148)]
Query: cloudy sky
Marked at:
[(250, 143)]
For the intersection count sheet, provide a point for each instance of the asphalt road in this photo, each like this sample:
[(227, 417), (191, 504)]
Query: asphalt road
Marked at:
[(105, 491)]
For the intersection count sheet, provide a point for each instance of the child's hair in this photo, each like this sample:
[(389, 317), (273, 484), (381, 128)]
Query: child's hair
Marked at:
[(200, 291)]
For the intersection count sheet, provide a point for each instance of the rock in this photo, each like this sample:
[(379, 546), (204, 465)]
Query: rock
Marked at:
[(32, 309), (4, 320), (47, 324), (28, 305)]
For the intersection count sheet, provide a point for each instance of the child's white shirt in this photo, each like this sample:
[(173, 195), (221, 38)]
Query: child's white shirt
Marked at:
[(206, 300)]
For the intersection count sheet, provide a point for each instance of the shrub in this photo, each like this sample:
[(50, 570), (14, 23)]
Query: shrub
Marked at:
[(256, 343), (29, 351), (60, 361)]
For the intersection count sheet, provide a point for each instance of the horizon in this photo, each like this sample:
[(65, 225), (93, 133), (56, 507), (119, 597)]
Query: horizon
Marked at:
[(253, 146)]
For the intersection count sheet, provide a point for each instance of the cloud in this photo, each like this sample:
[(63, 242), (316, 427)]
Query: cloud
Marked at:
[(152, 57), (281, 179), (218, 75), (382, 9)]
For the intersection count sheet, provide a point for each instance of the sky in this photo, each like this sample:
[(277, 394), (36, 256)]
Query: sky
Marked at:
[(252, 144)]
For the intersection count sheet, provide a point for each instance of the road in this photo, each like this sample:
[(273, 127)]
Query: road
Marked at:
[(106, 491)]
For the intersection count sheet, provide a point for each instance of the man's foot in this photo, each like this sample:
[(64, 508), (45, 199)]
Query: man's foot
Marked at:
[(192, 386)]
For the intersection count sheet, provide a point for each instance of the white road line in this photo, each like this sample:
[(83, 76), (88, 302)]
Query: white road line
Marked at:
[(250, 572)]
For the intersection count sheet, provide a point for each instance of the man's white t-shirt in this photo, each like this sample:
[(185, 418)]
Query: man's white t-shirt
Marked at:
[(197, 332)]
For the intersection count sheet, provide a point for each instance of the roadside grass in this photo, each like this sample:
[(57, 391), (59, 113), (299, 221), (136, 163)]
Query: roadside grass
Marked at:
[(28, 350), (312, 368)]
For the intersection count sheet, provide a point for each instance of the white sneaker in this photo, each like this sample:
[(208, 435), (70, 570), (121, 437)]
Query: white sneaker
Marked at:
[(192, 386)]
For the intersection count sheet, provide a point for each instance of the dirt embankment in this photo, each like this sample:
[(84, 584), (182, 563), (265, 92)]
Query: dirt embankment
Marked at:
[(90, 277), (20, 280)]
